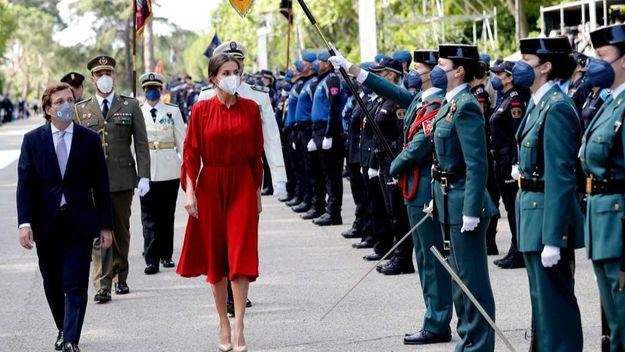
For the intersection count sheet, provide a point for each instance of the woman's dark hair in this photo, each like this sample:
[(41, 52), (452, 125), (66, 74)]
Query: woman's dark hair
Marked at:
[(215, 63), (46, 98), (563, 65), (472, 69)]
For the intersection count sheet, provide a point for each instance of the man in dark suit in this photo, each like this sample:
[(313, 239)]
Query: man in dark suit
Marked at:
[(63, 203)]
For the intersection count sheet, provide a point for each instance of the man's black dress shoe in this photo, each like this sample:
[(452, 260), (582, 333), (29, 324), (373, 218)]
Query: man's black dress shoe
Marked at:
[(514, 261), (151, 269), (505, 257), (301, 208), (394, 267), (70, 347), (266, 191), (425, 337), (351, 233), (379, 267), (312, 213), (58, 344), (292, 202), (121, 288), (328, 220), (362, 245), (168, 263), (372, 257), (102, 296)]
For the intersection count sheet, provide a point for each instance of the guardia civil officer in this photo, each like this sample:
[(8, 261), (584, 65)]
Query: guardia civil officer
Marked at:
[(462, 204), (166, 133), (548, 206), (326, 136), (603, 161), (413, 167), (75, 80), (503, 124), (119, 121)]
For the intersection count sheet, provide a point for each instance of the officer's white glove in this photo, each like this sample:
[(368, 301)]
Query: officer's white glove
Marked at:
[(284, 94), (373, 173), (515, 173), (311, 146), (327, 143), (279, 189), (469, 223), (550, 256), (429, 209), (143, 187), (338, 60), (293, 145)]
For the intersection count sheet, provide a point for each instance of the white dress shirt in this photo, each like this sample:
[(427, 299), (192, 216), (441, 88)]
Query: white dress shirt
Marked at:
[(618, 90), (452, 93)]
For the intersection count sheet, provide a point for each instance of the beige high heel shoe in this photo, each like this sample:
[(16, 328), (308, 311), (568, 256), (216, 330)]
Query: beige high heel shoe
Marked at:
[(225, 348), (240, 349)]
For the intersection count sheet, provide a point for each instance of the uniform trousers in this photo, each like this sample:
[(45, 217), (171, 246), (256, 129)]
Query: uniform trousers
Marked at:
[(158, 208), (112, 262)]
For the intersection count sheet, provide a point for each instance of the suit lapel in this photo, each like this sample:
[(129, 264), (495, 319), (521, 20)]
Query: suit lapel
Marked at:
[(607, 108), (535, 114), (72, 151), (94, 108)]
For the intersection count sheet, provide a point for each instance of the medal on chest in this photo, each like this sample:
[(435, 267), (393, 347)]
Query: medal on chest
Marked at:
[(452, 110)]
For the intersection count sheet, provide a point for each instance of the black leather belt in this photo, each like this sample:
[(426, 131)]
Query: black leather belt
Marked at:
[(63, 208), (594, 186), (302, 125), (447, 176), (532, 185)]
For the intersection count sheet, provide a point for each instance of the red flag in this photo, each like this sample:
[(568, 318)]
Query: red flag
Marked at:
[(143, 14)]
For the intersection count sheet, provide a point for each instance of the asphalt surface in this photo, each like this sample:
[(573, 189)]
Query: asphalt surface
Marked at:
[(304, 269)]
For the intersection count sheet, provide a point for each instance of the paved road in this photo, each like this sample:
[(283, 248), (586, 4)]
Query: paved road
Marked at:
[(304, 270)]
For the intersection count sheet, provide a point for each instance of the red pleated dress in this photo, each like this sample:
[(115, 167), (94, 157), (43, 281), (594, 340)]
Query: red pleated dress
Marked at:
[(222, 154)]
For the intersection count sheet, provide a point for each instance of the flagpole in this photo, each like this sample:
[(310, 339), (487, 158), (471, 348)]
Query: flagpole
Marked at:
[(133, 83)]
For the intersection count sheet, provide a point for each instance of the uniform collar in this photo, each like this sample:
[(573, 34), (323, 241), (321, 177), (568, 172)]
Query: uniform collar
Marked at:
[(452, 93), (109, 98), (536, 97), (429, 92), (618, 90), (159, 106)]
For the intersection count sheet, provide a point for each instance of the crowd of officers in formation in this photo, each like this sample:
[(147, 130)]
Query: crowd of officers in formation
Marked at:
[(542, 134)]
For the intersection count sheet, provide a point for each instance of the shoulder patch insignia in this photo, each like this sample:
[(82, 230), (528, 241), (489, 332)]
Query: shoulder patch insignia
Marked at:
[(516, 112), (514, 93), (84, 101)]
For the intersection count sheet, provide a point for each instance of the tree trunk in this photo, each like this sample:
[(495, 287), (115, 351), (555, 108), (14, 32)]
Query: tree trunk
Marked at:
[(148, 48), (523, 25)]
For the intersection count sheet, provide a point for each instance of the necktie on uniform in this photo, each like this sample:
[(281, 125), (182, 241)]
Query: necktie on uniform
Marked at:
[(153, 112), (105, 108), (61, 156)]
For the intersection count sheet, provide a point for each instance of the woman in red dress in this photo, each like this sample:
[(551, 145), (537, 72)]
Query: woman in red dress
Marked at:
[(222, 175)]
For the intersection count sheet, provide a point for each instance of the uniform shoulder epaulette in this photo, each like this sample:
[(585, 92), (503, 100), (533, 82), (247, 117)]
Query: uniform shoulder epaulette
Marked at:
[(514, 93), (170, 104), (479, 90), (84, 101), (207, 87), (259, 88)]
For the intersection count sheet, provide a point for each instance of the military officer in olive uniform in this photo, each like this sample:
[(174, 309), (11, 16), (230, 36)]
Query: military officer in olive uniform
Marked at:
[(548, 206), (603, 161), (413, 167), (503, 124), (461, 203), (119, 121), (166, 133)]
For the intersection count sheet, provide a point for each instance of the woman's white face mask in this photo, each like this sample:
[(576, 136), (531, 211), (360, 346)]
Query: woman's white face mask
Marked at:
[(229, 84)]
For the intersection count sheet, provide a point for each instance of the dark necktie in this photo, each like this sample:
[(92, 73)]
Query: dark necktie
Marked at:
[(153, 112), (105, 108)]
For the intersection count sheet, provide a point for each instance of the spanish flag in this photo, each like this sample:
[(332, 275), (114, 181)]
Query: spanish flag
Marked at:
[(143, 14)]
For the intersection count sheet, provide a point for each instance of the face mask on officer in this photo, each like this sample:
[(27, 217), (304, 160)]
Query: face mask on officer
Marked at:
[(600, 73), (153, 94), (523, 74), (439, 78), (497, 83), (64, 112), (105, 84)]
